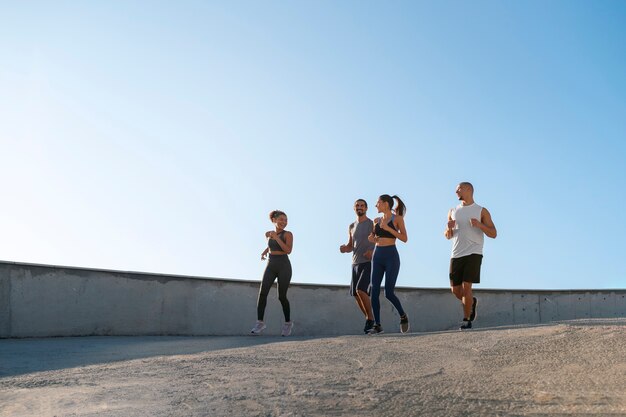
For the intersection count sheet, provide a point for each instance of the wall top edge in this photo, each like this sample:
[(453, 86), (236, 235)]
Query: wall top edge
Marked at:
[(144, 275)]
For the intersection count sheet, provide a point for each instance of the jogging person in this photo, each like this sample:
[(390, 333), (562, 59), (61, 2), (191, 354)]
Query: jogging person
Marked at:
[(279, 245), (362, 250), (467, 225), (386, 260)]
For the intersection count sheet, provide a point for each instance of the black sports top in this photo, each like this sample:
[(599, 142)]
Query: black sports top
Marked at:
[(273, 245), (378, 231)]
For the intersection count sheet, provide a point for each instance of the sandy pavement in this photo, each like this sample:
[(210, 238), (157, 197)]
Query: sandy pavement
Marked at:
[(571, 368)]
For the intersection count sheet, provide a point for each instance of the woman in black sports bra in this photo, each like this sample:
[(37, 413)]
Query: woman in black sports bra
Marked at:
[(279, 244), (386, 260)]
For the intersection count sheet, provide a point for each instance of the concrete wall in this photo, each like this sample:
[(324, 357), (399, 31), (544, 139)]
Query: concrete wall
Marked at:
[(43, 300)]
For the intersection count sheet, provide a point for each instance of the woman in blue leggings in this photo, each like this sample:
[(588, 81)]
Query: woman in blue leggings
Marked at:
[(386, 260)]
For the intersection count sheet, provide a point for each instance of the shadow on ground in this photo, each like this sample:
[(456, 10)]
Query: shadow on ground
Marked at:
[(22, 356)]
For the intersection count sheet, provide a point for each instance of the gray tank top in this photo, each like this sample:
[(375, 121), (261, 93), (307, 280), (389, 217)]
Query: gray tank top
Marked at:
[(359, 233)]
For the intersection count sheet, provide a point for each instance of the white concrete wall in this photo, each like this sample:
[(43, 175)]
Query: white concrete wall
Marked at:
[(43, 300)]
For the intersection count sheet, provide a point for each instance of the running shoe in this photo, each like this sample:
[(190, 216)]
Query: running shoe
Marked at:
[(286, 330), (465, 325), (368, 326), (404, 324), (473, 313), (258, 328), (376, 329)]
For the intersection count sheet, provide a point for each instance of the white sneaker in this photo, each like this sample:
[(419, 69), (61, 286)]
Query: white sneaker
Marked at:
[(286, 331), (258, 327)]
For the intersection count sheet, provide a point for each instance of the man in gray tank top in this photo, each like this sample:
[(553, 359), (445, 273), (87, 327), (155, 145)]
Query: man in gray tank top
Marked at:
[(467, 225), (362, 250)]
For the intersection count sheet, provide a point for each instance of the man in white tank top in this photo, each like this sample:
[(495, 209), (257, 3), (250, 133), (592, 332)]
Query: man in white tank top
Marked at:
[(468, 223)]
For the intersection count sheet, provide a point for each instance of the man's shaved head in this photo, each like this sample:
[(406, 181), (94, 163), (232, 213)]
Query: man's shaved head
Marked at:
[(467, 185)]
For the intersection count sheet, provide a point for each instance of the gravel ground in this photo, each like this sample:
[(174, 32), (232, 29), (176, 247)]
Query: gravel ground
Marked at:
[(570, 368)]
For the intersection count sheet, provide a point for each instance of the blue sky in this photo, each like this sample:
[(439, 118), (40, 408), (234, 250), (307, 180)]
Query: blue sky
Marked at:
[(157, 136)]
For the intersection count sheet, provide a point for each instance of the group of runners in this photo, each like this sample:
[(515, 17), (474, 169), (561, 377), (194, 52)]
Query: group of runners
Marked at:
[(375, 256)]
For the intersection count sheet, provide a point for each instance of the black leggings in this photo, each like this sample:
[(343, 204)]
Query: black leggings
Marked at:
[(279, 267)]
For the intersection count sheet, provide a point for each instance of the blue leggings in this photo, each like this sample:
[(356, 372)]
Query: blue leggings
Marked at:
[(386, 261)]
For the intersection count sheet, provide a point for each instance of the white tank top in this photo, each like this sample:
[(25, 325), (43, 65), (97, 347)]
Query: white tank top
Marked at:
[(466, 239)]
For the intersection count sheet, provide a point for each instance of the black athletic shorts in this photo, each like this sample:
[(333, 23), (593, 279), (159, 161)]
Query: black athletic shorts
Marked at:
[(361, 275), (465, 269)]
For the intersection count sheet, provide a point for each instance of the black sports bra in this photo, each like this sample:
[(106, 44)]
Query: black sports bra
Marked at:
[(273, 245), (378, 231)]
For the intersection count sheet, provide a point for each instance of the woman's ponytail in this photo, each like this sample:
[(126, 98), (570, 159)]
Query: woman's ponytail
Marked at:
[(401, 208)]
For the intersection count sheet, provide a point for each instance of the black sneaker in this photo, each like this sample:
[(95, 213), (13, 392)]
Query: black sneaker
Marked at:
[(376, 329), (465, 325), (473, 313), (368, 326), (404, 324)]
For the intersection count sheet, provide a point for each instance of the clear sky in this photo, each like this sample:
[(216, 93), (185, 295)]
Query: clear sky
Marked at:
[(157, 136)]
